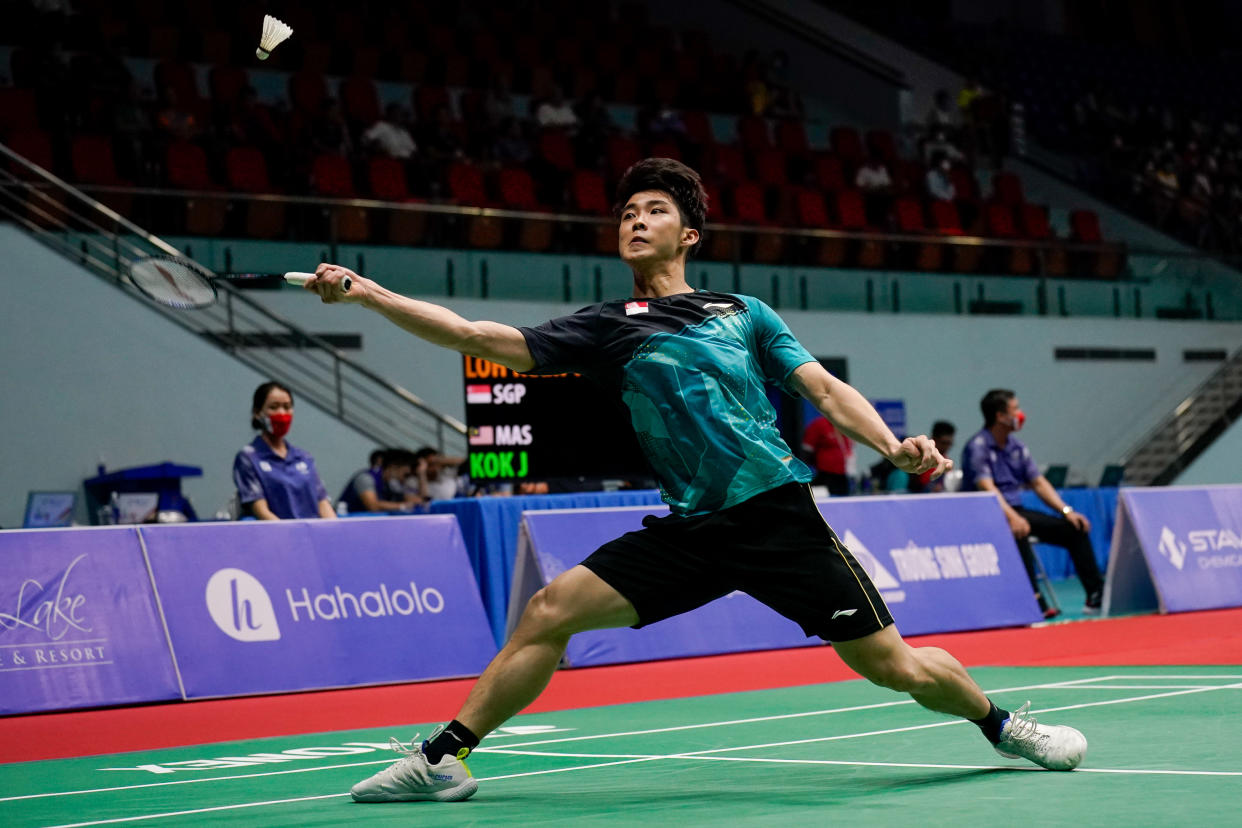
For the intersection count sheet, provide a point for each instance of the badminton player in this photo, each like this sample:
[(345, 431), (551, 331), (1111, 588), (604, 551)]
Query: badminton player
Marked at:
[(691, 366)]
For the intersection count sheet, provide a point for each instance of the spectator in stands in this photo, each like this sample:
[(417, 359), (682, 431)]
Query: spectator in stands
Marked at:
[(754, 85), (275, 479), (943, 433), (329, 133), (939, 183), (388, 137), (440, 139), (943, 115), (498, 106), (372, 489), (873, 179), (940, 143), (783, 100), (175, 122), (512, 146), (251, 123), (660, 121), (556, 112), (995, 460), (832, 452), (594, 126), (437, 474), (130, 127)]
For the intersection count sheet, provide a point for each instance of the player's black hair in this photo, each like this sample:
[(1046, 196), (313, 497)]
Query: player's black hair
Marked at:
[(673, 177), (399, 457), (995, 402), (260, 397), (943, 428)]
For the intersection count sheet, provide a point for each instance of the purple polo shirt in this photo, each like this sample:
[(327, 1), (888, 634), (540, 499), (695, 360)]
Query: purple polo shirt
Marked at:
[(290, 484), (1011, 468)]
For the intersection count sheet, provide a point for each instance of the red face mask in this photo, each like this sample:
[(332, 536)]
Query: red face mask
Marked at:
[(1017, 420), (278, 423)]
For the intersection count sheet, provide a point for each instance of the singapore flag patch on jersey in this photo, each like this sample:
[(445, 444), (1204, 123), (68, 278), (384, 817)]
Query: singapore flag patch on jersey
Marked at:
[(632, 308)]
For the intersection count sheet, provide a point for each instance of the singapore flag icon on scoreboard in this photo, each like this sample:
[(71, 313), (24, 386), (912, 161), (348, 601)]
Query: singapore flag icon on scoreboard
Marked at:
[(481, 394)]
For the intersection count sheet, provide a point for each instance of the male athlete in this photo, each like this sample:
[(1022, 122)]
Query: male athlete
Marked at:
[(691, 367)]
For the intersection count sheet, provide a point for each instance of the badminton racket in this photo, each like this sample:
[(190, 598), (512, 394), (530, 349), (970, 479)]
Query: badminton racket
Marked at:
[(184, 284)]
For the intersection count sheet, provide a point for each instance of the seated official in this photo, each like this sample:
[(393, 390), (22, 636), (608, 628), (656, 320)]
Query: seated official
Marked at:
[(381, 489), (275, 479), (997, 461)]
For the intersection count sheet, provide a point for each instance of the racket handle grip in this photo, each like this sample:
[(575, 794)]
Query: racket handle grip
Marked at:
[(300, 279)]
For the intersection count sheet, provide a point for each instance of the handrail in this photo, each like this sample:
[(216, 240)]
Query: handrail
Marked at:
[(77, 233)]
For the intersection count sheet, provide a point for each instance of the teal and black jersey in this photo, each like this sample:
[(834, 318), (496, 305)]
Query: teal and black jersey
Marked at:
[(691, 368)]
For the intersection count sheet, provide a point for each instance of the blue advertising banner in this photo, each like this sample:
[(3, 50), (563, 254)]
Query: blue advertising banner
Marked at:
[(1178, 548), (78, 624), (942, 563), (259, 607)]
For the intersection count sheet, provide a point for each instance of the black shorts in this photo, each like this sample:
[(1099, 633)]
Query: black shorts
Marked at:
[(776, 547)]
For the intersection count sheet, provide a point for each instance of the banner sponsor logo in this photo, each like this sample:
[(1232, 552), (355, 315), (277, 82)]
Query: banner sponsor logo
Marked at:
[(241, 607), (339, 605), (1215, 547), (51, 611)]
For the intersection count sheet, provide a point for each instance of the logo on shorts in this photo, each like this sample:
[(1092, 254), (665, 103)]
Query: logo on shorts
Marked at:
[(839, 613)]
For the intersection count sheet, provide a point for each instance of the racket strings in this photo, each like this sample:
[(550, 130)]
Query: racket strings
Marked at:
[(172, 283)]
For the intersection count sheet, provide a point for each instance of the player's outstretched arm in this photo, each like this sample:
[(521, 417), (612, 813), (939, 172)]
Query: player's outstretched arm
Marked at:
[(438, 325), (849, 411)]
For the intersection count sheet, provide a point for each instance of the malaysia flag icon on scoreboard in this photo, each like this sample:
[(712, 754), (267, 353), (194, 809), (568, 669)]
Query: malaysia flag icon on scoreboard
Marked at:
[(481, 394), (482, 436)]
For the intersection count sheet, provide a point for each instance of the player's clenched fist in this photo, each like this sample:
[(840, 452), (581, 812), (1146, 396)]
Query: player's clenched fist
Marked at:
[(334, 283)]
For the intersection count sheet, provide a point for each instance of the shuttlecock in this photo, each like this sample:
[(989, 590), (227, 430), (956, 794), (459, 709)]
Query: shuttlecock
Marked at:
[(275, 32)]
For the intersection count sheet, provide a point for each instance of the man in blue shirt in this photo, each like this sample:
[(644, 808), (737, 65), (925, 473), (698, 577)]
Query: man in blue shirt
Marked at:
[(691, 366), (995, 460)]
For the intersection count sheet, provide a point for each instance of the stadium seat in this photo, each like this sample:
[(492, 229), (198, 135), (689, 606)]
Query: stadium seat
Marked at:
[(92, 162), (752, 133), (623, 153), (791, 138), (1085, 227), (852, 215), (944, 218), (360, 101), (846, 145), (517, 192), (556, 150), (1033, 219), (307, 92), (186, 165), (387, 182), (467, 187), (1007, 189), (908, 218), (1000, 224), (665, 149), (587, 195), (245, 171), (18, 110), (749, 208), (770, 167), (880, 142), (698, 127), (177, 76), (226, 84), (829, 173), (35, 146), (331, 176), (999, 221), (428, 98), (728, 163)]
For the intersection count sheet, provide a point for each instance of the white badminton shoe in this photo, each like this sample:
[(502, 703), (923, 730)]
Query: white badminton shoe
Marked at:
[(413, 778), (1055, 747)]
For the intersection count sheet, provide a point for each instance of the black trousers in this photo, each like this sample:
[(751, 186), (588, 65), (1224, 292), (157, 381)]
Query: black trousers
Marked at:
[(1058, 531)]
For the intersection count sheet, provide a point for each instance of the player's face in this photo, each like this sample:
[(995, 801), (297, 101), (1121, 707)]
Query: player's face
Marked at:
[(651, 228)]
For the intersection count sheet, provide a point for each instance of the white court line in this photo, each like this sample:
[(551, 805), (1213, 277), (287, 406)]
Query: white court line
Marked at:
[(503, 749), (774, 717)]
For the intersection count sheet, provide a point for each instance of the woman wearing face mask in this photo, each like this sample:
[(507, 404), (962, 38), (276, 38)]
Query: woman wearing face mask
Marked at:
[(277, 480)]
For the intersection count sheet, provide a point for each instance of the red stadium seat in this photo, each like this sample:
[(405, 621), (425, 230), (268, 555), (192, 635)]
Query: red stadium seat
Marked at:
[(752, 133), (35, 146), (999, 221), (18, 110), (332, 177), (466, 185), (851, 210), (880, 142), (1007, 189), (178, 77), (665, 149), (307, 92), (360, 100), (728, 163), (944, 218), (829, 173), (91, 161), (226, 84), (810, 210), (517, 189), (909, 177), (557, 150), (245, 169), (587, 193), (187, 167), (748, 205), (386, 179), (770, 167), (1033, 220), (1085, 227), (623, 153), (427, 99), (698, 127), (846, 144), (791, 138), (964, 183), (908, 212)]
